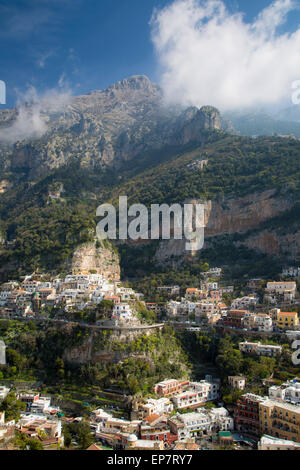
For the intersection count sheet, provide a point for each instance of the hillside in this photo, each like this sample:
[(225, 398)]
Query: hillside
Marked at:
[(250, 187)]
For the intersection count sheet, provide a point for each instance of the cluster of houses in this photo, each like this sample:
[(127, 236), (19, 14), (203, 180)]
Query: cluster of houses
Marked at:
[(73, 292), (178, 418), (205, 306), (273, 422), (39, 421), (159, 423)]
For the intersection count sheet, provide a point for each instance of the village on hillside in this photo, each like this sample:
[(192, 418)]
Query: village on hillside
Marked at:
[(180, 414)]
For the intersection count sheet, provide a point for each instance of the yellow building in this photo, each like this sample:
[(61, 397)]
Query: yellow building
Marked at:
[(280, 420), (287, 319)]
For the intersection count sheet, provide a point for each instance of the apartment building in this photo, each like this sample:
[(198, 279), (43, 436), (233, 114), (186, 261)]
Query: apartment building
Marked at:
[(281, 287), (152, 406), (157, 431), (244, 302), (198, 394), (284, 291), (201, 422), (122, 312), (291, 271), (205, 308), (280, 420), (287, 320), (263, 322), (235, 318), (246, 414), (170, 387)]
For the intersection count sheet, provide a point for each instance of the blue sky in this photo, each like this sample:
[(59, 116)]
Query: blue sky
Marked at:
[(85, 44)]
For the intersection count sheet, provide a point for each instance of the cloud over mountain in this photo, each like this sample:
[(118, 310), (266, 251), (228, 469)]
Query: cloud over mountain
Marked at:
[(30, 122), (211, 56)]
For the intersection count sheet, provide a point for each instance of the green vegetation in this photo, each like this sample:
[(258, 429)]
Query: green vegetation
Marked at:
[(42, 234), (12, 407), (24, 443), (79, 433), (144, 360)]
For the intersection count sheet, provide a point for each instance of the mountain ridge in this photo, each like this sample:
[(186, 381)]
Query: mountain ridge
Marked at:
[(103, 128)]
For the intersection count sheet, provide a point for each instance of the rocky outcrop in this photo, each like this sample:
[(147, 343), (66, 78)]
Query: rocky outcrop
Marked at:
[(104, 346), (272, 243), (240, 216), (105, 128), (99, 258)]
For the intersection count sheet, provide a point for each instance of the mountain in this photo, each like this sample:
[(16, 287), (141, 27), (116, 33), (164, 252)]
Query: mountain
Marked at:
[(261, 123), (126, 141), (104, 128)]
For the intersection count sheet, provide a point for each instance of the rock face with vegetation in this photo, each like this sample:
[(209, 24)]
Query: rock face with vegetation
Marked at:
[(98, 258), (125, 141), (112, 346)]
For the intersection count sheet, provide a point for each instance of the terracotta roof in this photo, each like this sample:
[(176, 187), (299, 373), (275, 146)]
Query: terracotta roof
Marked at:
[(288, 313), (94, 447), (150, 419)]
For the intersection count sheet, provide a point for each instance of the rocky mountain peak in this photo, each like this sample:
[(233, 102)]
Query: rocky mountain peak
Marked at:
[(136, 82), (106, 128)]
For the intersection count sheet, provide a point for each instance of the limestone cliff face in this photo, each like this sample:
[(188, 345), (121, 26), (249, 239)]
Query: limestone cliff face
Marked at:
[(240, 216), (243, 214), (93, 257), (273, 243)]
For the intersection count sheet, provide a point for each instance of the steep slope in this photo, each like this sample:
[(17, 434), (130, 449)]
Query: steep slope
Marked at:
[(51, 186), (104, 128), (250, 188)]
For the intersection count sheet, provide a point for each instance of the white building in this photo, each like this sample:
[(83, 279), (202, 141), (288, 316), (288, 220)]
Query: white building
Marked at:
[(263, 322), (289, 392), (160, 406), (2, 353), (237, 382), (291, 271), (41, 406), (4, 391), (212, 286), (281, 287), (215, 272), (122, 312), (198, 394), (204, 422), (292, 334), (260, 349), (244, 302), (274, 443)]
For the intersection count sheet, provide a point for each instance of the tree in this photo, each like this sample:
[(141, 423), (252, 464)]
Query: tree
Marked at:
[(24, 443), (80, 432), (12, 407)]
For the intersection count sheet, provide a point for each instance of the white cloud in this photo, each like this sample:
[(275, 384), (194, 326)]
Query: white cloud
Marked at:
[(32, 114), (211, 56)]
